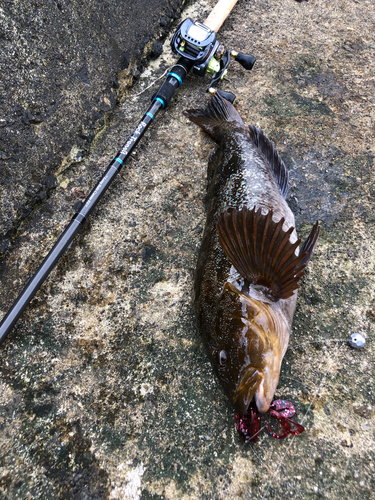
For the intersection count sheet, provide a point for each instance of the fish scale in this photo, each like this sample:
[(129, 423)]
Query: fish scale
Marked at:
[(249, 263)]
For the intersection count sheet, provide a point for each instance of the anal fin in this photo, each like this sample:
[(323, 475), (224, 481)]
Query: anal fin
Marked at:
[(309, 245), (261, 250)]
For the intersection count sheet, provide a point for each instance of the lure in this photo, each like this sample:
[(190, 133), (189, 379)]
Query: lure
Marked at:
[(249, 425)]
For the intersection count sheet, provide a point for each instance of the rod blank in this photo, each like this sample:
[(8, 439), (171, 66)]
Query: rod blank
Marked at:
[(73, 227)]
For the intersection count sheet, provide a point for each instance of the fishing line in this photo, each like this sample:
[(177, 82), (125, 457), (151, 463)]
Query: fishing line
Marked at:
[(317, 342), (341, 416), (252, 448), (319, 387), (293, 437), (347, 463), (153, 83), (311, 387), (256, 434), (312, 402), (278, 467)]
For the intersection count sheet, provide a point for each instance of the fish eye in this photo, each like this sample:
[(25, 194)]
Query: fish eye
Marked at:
[(223, 357)]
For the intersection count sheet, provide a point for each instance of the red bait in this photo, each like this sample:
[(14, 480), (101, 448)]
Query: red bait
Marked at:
[(248, 425), (283, 410)]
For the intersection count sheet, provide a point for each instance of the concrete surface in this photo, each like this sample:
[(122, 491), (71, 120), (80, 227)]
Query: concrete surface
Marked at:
[(63, 65), (105, 388)]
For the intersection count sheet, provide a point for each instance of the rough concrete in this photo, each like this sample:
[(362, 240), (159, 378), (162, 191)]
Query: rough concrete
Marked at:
[(63, 65), (106, 391)]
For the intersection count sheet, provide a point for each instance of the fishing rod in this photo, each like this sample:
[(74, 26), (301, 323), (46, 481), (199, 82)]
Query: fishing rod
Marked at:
[(199, 50)]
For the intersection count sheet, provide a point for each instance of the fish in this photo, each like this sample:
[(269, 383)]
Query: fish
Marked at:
[(250, 261)]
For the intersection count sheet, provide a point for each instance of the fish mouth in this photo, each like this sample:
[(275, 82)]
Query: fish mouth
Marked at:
[(261, 400), (266, 389), (246, 389)]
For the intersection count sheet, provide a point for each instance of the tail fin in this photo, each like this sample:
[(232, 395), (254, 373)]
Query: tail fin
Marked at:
[(219, 118)]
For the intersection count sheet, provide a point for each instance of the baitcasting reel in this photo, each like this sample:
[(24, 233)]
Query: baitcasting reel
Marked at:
[(197, 43)]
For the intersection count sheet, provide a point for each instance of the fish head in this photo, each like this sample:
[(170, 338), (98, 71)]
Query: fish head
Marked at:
[(246, 348)]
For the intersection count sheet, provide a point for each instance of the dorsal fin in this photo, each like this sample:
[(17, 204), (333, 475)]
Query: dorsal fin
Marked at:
[(265, 145), (261, 250)]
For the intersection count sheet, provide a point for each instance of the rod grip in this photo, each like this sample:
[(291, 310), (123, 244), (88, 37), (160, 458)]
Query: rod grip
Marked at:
[(219, 13)]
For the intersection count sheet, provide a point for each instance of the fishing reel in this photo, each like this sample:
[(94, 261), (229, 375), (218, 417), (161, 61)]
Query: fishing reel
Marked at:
[(197, 43)]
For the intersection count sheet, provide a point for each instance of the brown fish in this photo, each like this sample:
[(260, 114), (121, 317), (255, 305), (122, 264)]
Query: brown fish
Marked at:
[(250, 262)]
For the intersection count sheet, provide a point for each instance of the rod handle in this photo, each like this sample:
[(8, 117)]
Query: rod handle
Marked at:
[(219, 13)]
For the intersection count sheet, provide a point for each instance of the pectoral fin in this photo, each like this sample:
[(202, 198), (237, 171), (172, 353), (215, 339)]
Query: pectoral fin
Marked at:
[(261, 250)]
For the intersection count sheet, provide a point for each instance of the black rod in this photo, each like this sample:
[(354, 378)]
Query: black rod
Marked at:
[(160, 100)]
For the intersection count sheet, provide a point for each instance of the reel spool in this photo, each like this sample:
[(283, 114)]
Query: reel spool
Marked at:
[(198, 43)]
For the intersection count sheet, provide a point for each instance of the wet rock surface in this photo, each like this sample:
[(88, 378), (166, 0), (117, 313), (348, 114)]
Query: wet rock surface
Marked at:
[(105, 388), (64, 64)]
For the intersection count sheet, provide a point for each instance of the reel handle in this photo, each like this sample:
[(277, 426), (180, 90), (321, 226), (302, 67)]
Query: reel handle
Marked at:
[(219, 13), (247, 61), (229, 96)]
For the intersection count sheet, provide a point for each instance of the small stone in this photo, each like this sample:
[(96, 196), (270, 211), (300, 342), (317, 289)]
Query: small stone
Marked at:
[(125, 60), (114, 82), (364, 411), (347, 443), (157, 49), (77, 206), (51, 181), (357, 340)]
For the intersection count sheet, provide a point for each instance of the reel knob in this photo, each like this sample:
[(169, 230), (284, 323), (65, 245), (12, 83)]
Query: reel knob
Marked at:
[(246, 60), (229, 96)]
